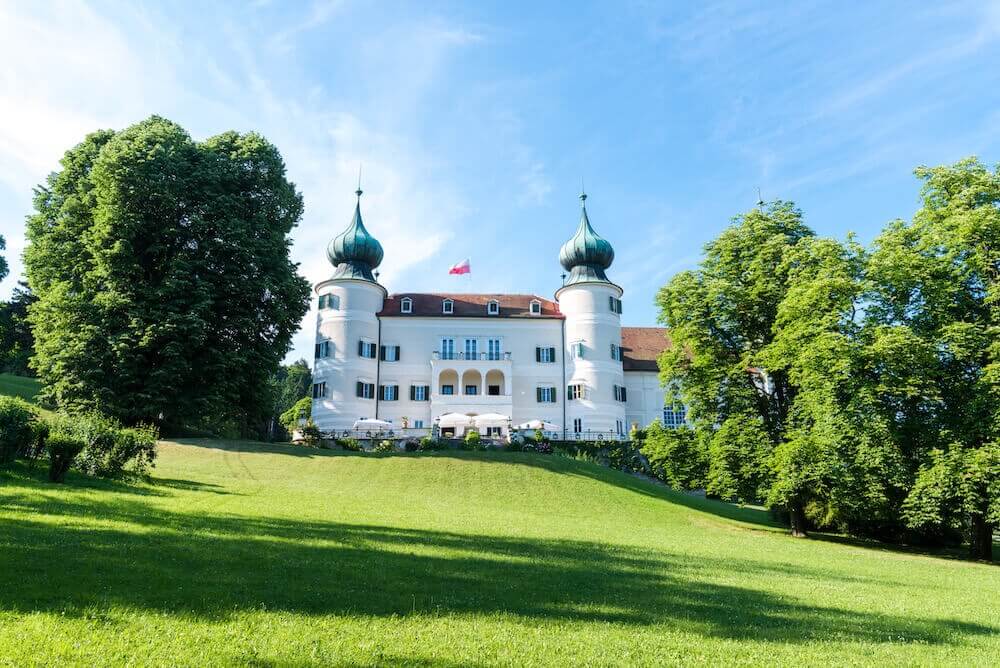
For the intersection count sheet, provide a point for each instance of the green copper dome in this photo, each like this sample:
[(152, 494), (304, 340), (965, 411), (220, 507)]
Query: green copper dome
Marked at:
[(587, 254), (354, 252)]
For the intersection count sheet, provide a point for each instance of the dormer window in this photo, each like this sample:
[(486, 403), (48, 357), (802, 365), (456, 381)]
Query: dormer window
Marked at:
[(536, 307), (447, 307), (406, 305), (493, 308)]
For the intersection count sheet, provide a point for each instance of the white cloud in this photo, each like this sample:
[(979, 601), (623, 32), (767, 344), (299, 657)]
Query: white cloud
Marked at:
[(71, 71)]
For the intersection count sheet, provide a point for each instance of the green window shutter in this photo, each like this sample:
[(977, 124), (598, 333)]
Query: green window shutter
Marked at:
[(397, 353), (427, 392), (538, 394), (360, 389), (553, 395), (361, 348), (538, 354), (413, 392)]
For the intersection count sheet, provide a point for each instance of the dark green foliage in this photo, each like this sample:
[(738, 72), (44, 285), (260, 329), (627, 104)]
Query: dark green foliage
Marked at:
[(430, 444), (110, 450), (350, 444), (63, 449), (385, 446), (297, 415), (18, 432), (16, 338), (675, 456), (165, 291), (472, 441), (290, 384), (411, 445)]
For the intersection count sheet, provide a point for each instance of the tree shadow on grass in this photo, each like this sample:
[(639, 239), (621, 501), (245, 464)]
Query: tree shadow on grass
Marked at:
[(134, 555)]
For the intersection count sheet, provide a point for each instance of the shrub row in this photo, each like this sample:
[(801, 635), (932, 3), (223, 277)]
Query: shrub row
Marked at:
[(94, 443)]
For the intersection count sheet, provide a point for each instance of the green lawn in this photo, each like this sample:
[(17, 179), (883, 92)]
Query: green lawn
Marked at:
[(18, 386), (271, 555)]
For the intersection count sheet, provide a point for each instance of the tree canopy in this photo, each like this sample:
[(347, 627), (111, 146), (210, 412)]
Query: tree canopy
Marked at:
[(858, 388), (162, 272)]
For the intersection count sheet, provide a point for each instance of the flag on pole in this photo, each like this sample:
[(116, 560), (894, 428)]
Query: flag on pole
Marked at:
[(463, 267)]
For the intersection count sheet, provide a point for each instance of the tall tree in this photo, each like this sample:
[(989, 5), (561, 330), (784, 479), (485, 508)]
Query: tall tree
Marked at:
[(936, 289), (164, 284), (722, 319), (17, 341)]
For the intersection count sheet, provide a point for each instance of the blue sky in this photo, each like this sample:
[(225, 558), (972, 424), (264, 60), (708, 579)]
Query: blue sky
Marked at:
[(476, 122)]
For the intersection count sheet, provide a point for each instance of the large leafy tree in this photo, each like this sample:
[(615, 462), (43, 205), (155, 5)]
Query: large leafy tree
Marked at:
[(164, 284), (935, 285), (17, 341), (722, 319)]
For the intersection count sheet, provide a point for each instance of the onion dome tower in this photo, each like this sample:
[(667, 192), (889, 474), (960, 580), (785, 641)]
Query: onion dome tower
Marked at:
[(354, 252), (591, 305), (587, 255), (345, 369)]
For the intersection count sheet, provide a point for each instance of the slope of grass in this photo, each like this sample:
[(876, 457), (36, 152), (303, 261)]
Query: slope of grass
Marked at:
[(19, 386), (268, 555)]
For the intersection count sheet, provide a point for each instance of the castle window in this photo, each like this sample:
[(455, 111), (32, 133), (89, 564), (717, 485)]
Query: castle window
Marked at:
[(616, 352), (390, 353), (615, 304), (447, 306), (578, 349), (419, 392), (545, 395), (406, 305), (447, 389), (389, 392), (329, 302), (620, 393), (536, 307), (323, 349), (471, 389), (319, 390), (575, 391), (674, 415), (366, 349), (545, 354), (365, 390), (493, 308), (577, 425)]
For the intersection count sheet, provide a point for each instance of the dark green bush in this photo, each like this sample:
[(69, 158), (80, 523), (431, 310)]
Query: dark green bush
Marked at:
[(350, 444), (384, 446), (411, 445), (62, 449), (472, 441), (675, 456), (429, 443), (17, 428), (110, 449)]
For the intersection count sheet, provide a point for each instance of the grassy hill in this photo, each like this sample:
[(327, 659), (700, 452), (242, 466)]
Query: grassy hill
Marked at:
[(256, 554)]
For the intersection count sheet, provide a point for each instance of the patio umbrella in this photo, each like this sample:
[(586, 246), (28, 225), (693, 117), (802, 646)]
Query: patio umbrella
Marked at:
[(454, 420), (371, 424), (539, 424), (491, 420)]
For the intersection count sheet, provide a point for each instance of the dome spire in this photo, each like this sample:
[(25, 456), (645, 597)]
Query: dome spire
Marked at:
[(355, 253), (586, 255)]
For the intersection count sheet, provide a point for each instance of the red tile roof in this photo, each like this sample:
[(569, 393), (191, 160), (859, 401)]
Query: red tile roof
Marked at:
[(468, 305), (642, 345)]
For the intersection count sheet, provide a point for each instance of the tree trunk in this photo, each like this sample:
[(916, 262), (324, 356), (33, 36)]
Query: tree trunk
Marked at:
[(797, 518), (981, 539)]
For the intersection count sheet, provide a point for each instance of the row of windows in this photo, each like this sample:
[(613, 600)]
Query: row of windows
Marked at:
[(494, 351), (448, 306)]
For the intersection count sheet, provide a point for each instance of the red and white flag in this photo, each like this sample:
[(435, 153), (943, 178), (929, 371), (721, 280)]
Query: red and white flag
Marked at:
[(463, 267)]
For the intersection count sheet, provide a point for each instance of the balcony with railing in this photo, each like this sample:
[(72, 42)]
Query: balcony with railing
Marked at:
[(438, 355)]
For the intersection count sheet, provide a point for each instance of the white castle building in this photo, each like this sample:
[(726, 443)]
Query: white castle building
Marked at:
[(445, 363)]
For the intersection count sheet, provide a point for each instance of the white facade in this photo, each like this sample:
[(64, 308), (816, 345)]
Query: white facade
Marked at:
[(412, 358)]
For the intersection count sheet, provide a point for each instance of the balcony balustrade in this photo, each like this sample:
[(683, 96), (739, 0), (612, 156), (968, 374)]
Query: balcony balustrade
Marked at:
[(477, 357)]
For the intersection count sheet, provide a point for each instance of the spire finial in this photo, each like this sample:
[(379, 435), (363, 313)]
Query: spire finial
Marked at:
[(583, 193), (359, 190), (760, 200)]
